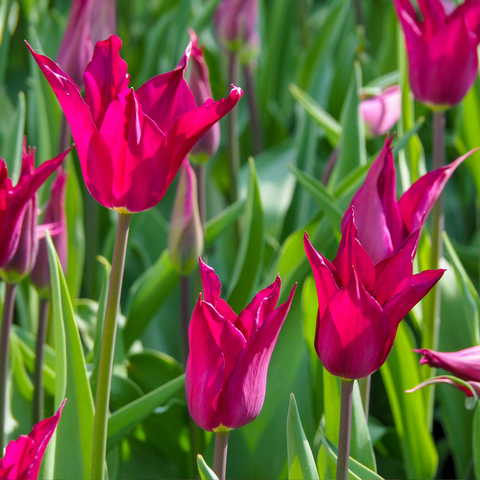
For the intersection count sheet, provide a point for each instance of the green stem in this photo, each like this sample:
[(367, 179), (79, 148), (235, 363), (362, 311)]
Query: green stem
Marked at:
[(345, 429), (357, 5), (220, 456), (256, 124), (37, 406), (201, 193), (364, 384), (185, 314), (7, 318), (232, 137), (108, 348)]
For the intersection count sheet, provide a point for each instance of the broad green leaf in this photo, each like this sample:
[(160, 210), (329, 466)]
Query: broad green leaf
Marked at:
[(301, 464), (20, 375), (73, 452), (122, 422), (206, 473), (13, 149), (147, 295), (250, 253), (218, 224)]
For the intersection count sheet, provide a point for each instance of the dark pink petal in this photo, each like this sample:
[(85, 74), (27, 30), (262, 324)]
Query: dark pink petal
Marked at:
[(352, 333), (416, 203), (464, 363), (264, 302), (245, 389), (351, 252), (434, 17), (105, 78), (211, 283), (322, 273), (166, 97), (141, 163)]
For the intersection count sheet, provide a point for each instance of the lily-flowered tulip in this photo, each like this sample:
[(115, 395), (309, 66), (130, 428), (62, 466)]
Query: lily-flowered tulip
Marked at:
[(360, 305), (55, 221), (131, 144), (236, 27), (23, 456), (383, 223), (382, 111), (18, 212), (185, 241), (199, 84), (229, 355), (442, 50)]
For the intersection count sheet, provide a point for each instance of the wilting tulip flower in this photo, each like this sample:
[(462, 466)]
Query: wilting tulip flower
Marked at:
[(442, 50), (383, 223), (199, 84), (54, 221), (360, 305), (23, 456), (229, 355), (185, 241), (131, 144), (18, 214), (382, 111), (236, 26)]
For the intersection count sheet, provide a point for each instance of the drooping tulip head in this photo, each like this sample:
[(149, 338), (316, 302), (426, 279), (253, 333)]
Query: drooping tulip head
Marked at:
[(229, 355)]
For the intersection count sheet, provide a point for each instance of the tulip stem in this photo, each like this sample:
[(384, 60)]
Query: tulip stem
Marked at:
[(185, 314), (37, 405), (364, 384), (232, 137), (220, 456), (256, 125), (108, 347), (7, 317), (201, 194), (345, 429)]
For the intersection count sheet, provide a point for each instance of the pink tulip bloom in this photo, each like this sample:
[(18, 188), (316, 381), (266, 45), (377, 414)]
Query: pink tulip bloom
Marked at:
[(55, 221), (383, 223), (381, 112), (23, 456), (199, 84), (442, 50), (360, 305), (229, 355), (131, 144), (18, 212)]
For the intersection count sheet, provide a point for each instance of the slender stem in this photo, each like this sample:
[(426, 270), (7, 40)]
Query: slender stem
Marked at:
[(232, 137), (357, 5), (37, 406), (365, 384), (185, 314), (7, 318), (256, 125), (220, 456), (345, 429), (108, 347), (201, 193)]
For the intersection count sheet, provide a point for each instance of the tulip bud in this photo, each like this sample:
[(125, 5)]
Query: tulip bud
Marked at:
[(381, 112), (199, 84), (185, 241), (236, 26), (103, 21), (54, 217)]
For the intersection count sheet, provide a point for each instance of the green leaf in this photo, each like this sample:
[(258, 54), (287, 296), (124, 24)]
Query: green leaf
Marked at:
[(206, 473), (301, 464), (73, 451), (218, 224), (147, 295), (250, 252), (202, 18), (13, 149), (476, 442), (122, 422)]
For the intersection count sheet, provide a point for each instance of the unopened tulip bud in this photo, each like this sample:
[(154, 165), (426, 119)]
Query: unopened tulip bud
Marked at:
[(103, 21), (185, 241)]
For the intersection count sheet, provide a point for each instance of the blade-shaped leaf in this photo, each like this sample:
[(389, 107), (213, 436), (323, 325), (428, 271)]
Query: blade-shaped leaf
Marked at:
[(206, 473), (218, 224)]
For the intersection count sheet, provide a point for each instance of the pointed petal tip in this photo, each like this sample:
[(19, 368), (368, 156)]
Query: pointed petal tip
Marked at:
[(236, 92)]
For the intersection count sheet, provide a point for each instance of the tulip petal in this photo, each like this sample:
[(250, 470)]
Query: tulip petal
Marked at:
[(352, 332), (261, 306), (166, 97), (434, 17), (325, 281), (449, 381), (105, 78), (247, 383), (416, 203)]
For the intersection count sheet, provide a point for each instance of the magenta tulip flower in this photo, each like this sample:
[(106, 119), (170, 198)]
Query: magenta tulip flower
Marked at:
[(382, 111), (360, 305), (442, 50), (229, 355), (23, 456), (18, 211), (383, 223), (131, 144)]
